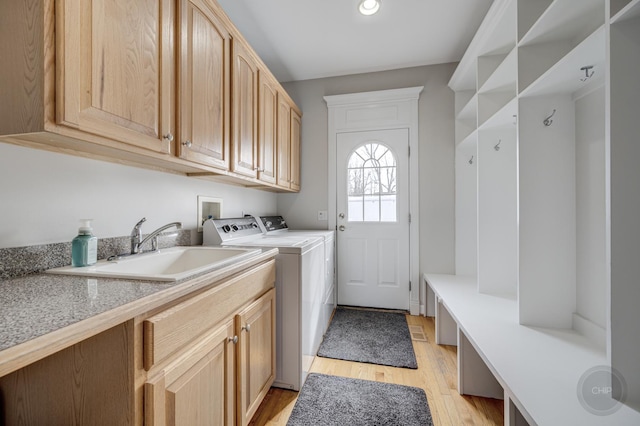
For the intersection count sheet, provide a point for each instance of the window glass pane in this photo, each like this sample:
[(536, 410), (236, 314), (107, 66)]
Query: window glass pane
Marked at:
[(372, 208), (372, 184), (388, 208), (356, 208)]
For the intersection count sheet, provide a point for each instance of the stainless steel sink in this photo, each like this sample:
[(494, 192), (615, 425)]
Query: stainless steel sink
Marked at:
[(171, 264)]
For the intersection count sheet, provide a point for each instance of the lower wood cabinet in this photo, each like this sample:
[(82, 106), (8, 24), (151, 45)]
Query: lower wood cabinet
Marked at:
[(256, 328), (204, 356), (198, 387), (223, 373)]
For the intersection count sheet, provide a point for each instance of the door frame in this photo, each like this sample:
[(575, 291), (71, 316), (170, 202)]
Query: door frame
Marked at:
[(380, 110)]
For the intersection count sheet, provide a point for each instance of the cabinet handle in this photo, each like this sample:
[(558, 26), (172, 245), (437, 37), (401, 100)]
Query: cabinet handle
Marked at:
[(247, 327), (168, 137), (187, 144), (233, 339)]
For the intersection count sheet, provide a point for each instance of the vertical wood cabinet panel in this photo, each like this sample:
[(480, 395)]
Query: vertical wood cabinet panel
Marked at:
[(89, 383), (203, 85), (245, 112), (115, 69), (255, 327), (294, 164), (267, 134), (284, 144)]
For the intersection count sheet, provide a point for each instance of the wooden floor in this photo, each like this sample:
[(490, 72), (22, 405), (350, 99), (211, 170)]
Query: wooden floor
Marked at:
[(436, 374)]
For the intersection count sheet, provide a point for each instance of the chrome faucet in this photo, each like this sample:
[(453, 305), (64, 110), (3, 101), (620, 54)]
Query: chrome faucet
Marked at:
[(136, 235)]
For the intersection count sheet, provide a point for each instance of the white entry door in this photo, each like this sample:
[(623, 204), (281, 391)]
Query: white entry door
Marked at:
[(372, 179)]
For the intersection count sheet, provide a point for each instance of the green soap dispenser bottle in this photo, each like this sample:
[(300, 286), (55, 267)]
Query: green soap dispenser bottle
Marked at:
[(84, 247)]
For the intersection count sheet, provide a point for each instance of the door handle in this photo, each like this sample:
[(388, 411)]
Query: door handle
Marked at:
[(341, 227), (341, 215)]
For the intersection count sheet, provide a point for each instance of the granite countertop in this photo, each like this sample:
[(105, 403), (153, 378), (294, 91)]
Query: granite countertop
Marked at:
[(38, 311)]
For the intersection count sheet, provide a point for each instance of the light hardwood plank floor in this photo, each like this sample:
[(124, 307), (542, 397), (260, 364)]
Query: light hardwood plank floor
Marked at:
[(436, 374)]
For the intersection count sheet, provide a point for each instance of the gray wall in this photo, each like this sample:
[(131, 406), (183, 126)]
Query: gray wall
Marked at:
[(436, 129), (43, 194)]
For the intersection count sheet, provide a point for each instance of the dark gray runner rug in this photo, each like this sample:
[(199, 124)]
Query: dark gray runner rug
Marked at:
[(329, 400), (374, 337)]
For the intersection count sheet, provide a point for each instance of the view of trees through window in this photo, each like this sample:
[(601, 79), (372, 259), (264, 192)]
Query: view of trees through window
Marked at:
[(372, 184)]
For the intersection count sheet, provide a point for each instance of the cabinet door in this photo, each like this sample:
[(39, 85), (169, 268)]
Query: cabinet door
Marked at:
[(267, 134), (294, 163), (255, 327), (198, 387), (284, 143), (114, 67), (203, 85), (245, 111)]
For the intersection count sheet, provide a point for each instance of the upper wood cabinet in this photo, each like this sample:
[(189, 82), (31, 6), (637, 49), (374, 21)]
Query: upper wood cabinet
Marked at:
[(203, 85), (294, 164), (284, 143), (167, 84), (289, 123), (114, 63), (245, 110), (267, 131)]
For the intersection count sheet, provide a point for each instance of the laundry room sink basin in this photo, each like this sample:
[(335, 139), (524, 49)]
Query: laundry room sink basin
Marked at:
[(170, 264)]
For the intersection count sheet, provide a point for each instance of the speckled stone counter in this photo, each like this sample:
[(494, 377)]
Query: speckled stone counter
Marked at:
[(35, 305), (43, 313)]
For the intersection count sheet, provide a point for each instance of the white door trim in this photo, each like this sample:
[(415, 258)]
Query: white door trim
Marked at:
[(381, 110)]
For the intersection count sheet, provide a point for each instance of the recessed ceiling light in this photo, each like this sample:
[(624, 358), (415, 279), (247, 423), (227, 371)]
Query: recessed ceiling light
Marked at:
[(369, 7)]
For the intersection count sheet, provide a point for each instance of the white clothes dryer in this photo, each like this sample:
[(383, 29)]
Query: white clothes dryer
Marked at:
[(299, 283), (276, 226)]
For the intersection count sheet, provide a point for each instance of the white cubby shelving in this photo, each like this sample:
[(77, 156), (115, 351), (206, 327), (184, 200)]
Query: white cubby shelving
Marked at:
[(549, 220), (624, 9), (502, 75), (567, 75), (624, 197)]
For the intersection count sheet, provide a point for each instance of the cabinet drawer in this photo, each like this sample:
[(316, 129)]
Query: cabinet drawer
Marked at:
[(172, 329)]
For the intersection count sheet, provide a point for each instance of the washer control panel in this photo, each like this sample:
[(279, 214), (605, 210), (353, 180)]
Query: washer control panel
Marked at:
[(218, 231), (273, 223)]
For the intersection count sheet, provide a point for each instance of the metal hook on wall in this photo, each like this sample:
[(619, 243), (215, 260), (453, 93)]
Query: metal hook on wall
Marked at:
[(547, 121), (587, 74), (497, 146), (471, 160)]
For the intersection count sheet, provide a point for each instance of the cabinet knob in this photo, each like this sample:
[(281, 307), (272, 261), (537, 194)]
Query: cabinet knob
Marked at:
[(247, 327), (233, 339), (187, 144), (168, 137)]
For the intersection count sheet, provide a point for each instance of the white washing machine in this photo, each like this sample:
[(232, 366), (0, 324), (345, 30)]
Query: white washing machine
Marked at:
[(299, 283), (276, 226)]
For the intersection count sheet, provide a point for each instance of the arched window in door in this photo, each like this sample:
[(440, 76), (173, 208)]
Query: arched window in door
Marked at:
[(372, 184)]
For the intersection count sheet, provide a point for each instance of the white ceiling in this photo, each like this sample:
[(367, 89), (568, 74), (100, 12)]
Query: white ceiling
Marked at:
[(305, 39)]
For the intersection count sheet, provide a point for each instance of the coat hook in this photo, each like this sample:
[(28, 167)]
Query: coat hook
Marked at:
[(497, 146), (588, 72), (471, 160), (547, 121)]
